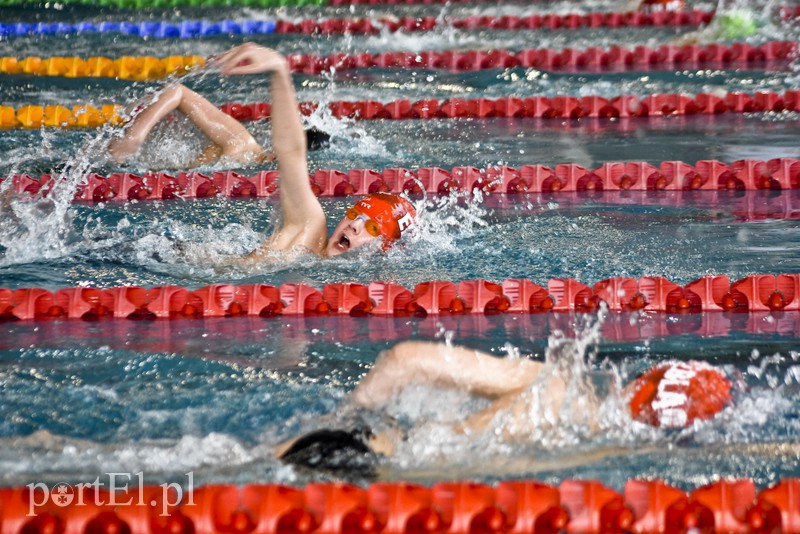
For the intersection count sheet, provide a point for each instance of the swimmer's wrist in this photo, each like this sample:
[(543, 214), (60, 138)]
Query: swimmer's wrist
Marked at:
[(282, 67)]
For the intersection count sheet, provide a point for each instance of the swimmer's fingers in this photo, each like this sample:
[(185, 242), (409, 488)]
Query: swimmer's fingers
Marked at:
[(247, 63), (244, 68), (232, 51), (222, 58), (250, 59)]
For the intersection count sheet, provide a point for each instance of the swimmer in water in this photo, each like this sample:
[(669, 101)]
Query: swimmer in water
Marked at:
[(670, 395), (379, 217), (733, 20)]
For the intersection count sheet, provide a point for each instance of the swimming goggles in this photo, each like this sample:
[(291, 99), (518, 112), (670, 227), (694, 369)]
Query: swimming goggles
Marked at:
[(370, 226)]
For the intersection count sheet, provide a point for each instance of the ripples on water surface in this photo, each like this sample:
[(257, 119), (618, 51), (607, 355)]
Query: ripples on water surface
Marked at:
[(213, 396)]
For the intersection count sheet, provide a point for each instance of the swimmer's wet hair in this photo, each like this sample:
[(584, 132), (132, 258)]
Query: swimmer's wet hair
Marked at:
[(317, 139), (335, 451)]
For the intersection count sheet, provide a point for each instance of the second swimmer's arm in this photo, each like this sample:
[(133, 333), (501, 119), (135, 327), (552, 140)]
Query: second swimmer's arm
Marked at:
[(226, 134), (444, 366)]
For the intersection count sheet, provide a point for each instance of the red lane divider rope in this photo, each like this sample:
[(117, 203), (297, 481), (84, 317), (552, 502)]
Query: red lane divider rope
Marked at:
[(551, 21), (706, 175), (756, 293), (507, 22), (394, 507), (558, 107), (590, 59)]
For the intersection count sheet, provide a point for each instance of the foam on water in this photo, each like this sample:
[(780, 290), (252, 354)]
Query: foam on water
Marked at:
[(347, 135), (36, 227), (52, 456)]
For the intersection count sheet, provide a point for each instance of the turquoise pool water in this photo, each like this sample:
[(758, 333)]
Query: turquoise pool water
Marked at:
[(213, 396)]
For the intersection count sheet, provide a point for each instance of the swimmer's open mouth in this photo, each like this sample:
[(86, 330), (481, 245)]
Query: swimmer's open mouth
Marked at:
[(344, 243)]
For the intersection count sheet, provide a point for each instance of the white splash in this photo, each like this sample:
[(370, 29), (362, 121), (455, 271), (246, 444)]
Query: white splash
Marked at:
[(37, 227), (47, 453), (536, 419)]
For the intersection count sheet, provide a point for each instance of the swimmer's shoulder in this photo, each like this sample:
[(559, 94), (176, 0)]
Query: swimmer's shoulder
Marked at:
[(296, 239), (267, 254)]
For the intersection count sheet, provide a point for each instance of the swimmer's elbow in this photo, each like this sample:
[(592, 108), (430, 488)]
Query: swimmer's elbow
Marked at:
[(395, 359)]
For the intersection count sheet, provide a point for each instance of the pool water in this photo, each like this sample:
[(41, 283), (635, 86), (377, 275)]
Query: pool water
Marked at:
[(213, 396)]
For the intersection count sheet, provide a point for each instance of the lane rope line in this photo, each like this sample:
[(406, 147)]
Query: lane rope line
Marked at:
[(558, 107), (614, 59), (779, 174), (189, 29), (507, 506), (755, 293), (167, 4)]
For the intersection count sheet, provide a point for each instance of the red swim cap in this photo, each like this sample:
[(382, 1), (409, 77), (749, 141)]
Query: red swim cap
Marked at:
[(392, 213), (674, 394)]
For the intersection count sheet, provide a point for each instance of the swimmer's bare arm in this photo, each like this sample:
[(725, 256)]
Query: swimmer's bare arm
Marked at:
[(439, 365), (228, 137), (443, 366), (303, 221), (505, 381)]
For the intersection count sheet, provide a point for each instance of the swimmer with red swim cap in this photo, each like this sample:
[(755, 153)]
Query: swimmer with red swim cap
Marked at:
[(378, 217), (676, 394), (670, 395)]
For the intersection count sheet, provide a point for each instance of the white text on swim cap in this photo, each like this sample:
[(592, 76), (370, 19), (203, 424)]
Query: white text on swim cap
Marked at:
[(405, 221), (671, 405)]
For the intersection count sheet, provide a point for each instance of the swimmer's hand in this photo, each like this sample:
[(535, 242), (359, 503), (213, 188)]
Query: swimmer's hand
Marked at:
[(250, 59)]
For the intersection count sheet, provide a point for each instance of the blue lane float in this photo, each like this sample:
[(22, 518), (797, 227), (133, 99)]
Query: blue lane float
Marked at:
[(181, 30)]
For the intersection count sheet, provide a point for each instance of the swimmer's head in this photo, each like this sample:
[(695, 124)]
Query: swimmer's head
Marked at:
[(676, 394), (316, 139), (377, 216), (736, 24), (336, 451)]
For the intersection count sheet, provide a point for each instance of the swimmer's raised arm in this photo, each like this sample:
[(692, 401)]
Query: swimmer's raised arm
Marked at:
[(303, 220), (445, 366)]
